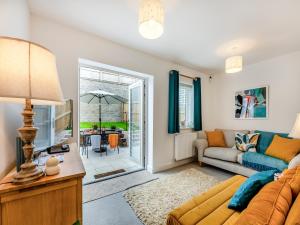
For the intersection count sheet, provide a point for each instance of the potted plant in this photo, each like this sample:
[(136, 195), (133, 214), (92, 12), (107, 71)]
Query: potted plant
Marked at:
[(113, 127), (95, 127)]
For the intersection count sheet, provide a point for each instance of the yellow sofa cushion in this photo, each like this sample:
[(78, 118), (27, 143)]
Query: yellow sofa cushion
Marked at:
[(283, 148), (270, 206), (205, 208), (215, 139)]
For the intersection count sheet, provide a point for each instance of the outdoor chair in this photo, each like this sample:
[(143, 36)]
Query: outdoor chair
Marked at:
[(96, 142), (113, 140), (85, 141)]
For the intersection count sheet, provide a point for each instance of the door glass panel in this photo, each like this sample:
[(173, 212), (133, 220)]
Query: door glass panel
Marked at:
[(136, 122)]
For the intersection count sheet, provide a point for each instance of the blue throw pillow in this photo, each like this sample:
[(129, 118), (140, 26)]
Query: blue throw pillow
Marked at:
[(249, 189)]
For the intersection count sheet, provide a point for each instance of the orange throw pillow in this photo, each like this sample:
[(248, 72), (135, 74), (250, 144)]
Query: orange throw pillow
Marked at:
[(270, 206), (292, 176), (215, 139), (284, 148)]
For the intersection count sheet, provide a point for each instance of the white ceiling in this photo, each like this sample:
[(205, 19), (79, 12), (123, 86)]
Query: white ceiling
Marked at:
[(198, 33)]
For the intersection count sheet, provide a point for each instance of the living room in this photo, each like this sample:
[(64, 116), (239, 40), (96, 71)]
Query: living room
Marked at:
[(219, 106)]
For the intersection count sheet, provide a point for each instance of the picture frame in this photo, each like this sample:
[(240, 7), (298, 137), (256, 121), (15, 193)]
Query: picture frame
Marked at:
[(252, 103)]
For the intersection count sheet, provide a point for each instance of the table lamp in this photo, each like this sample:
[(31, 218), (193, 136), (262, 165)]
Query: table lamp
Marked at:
[(295, 133), (28, 75)]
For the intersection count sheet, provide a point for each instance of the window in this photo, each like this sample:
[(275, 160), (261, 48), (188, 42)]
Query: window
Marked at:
[(186, 106), (42, 121), (54, 123)]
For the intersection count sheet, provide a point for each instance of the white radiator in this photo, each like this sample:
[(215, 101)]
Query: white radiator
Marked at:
[(184, 145)]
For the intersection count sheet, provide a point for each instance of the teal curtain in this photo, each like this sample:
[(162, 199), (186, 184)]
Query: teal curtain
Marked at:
[(173, 119), (197, 105)]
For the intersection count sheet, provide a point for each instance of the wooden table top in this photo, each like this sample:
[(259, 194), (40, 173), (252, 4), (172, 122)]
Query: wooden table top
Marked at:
[(72, 167)]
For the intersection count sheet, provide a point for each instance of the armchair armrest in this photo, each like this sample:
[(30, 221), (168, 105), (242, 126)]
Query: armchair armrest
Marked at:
[(201, 144)]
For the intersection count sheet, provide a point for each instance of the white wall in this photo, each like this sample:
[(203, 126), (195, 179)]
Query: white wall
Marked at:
[(14, 22), (69, 45), (281, 74)]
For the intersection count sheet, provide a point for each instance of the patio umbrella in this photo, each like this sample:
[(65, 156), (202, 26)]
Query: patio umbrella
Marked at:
[(101, 97)]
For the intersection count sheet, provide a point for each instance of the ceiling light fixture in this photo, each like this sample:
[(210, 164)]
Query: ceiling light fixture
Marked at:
[(151, 19), (234, 64)]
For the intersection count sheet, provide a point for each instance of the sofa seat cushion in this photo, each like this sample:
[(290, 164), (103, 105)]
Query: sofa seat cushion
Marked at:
[(226, 154), (209, 207), (261, 162)]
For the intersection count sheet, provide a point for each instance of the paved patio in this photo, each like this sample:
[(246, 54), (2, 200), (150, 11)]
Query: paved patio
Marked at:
[(100, 163)]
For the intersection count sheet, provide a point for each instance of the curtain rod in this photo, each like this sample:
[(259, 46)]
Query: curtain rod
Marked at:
[(186, 76)]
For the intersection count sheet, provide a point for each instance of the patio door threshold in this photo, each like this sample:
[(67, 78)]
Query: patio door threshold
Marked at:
[(113, 176)]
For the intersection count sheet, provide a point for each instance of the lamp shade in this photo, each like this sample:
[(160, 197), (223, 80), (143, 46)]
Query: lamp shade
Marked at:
[(295, 133), (151, 19), (28, 71), (234, 64)]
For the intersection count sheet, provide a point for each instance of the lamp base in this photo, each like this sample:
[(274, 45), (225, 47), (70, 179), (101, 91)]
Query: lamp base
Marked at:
[(29, 173), (29, 170)]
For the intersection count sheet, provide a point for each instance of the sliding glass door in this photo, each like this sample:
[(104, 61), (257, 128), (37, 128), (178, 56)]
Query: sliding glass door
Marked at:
[(136, 122)]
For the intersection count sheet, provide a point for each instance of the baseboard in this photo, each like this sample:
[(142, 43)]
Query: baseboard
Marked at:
[(172, 165)]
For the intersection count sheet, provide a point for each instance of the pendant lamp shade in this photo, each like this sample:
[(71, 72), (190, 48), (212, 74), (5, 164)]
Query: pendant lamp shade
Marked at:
[(151, 19), (234, 64), (28, 71)]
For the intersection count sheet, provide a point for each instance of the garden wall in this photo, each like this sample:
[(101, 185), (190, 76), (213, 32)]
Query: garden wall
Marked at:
[(112, 112)]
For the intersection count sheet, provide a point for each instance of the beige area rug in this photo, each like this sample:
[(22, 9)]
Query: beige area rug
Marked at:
[(153, 201), (108, 187)]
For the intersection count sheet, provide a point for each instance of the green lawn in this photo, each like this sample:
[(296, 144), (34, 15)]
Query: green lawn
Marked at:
[(122, 125)]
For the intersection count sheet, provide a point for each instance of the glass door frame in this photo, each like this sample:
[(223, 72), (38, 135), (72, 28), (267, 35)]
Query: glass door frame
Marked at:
[(141, 85)]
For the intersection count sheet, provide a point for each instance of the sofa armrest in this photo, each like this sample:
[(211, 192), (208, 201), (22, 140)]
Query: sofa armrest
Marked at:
[(294, 162), (201, 144), (201, 134)]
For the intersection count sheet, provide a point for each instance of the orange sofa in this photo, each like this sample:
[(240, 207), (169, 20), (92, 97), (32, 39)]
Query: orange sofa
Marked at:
[(210, 208)]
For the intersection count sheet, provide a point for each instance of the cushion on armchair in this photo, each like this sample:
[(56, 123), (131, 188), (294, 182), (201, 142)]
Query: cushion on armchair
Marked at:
[(261, 162)]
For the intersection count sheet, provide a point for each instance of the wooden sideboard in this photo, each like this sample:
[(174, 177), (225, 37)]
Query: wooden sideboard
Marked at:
[(52, 200)]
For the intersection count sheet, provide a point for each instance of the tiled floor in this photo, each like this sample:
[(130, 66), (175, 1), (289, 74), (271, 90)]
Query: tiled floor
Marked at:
[(114, 210), (97, 163), (111, 210)]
